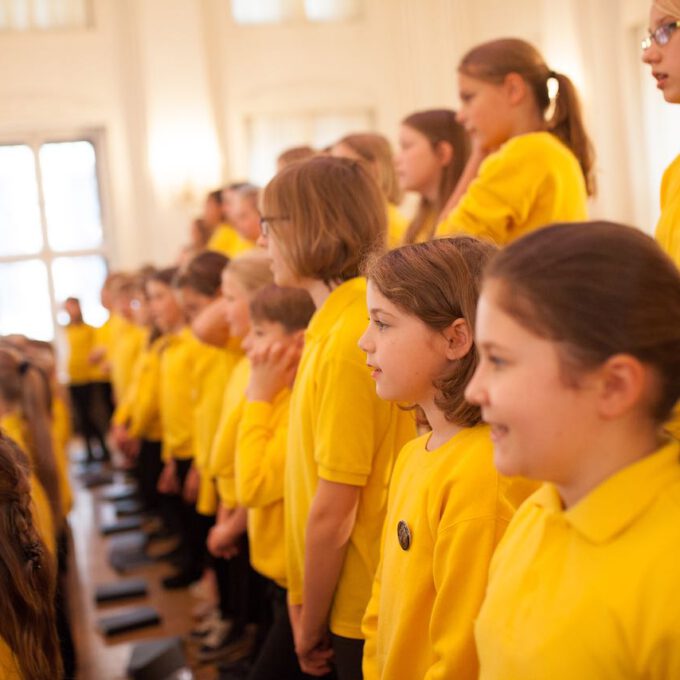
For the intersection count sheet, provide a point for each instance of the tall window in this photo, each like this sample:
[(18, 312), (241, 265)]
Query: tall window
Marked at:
[(270, 134), (51, 235), (24, 15), (280, 11)]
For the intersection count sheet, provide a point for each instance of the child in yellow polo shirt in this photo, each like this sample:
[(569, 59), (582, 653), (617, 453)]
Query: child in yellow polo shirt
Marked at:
[(239, 586), (375, 150), (532, 161), (579, 368), (448, 506), (279, 317), (176, 414), (433, 151), (321, 218)]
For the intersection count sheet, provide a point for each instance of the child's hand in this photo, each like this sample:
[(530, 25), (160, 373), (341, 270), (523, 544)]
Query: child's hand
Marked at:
[(272, 370), (168, 483), (222, 541), (191, 486)]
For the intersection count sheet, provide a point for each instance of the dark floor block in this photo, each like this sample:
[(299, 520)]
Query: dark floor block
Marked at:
[(133, 523), (157, 660), (127, 620), (121, 590)]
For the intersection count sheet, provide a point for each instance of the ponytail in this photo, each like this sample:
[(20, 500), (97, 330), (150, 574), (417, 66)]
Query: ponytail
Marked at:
[(566, 123)]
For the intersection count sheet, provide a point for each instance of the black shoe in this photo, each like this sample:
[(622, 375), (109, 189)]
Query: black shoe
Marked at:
[(234, 671), (181, 579)]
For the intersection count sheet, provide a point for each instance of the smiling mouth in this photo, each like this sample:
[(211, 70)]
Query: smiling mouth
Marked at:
[(660, 78)]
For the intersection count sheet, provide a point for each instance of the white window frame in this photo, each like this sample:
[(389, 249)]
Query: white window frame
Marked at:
[(34, 140)]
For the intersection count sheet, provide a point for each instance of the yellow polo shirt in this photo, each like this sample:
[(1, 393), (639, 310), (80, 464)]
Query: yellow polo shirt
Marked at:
[(80, 340), (221, 466), (668, 226), (425, 598), (61, 435), (226, 240), (125, 350), (397, 225), (104, 338), (9, 668), (260, 466), (342, 432), (176, 396), (533, 180), (592, 591), (211, 373), (140, 408)]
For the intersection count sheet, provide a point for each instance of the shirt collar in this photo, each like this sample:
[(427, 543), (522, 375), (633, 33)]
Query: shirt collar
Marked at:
[(335, 304), (615, 504)]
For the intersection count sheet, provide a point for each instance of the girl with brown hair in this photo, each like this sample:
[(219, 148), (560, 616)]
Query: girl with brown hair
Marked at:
[(322, 217), (532, 161), (578, 327), (376, 152), (448, 506), (433, 151), (28, 640)]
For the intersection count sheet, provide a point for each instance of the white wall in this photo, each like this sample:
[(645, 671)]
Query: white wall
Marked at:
[(172, 82)]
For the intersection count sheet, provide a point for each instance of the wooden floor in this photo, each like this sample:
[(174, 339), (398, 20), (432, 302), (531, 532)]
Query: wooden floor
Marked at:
[(106, 658)]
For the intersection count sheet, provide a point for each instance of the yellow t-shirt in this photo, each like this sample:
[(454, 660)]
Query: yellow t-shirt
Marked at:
[(592, 591), (342, 432), (221, 465), (80, 339), (9, 668), (397, 225), (668, 226), (419, 621), (140, 407), (212, 370), (226, 240), (14, 426), (61, 434), (176, 396), (125, 351), (260, 467), (533, 180), (104, 339)]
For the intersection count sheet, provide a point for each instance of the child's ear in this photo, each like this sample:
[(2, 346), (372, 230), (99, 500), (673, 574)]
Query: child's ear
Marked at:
[(624, 383), (459, 338)]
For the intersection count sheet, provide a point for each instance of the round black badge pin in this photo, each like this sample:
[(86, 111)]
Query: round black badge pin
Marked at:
[(404, 535)]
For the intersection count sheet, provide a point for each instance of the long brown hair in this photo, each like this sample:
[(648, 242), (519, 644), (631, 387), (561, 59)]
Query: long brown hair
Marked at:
[(27, 574), (376, 150), (493, 61), (438, 125), (599, 289), (438, 282)]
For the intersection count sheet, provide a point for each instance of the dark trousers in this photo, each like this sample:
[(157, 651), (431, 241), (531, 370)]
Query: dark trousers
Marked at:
[(276, 658), (241, 589), (87, 423), (348, 655), (187, 524), (148, 470)]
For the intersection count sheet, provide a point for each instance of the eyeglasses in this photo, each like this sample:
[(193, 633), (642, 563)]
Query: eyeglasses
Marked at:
[(266, 222), (660, 36)]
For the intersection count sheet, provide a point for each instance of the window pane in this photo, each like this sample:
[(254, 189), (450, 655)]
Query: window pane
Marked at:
[(268, 137), (333, 10), (20, 232), (329, 128), (80, 277), (25, 300), (69, 177), (263, 11)]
